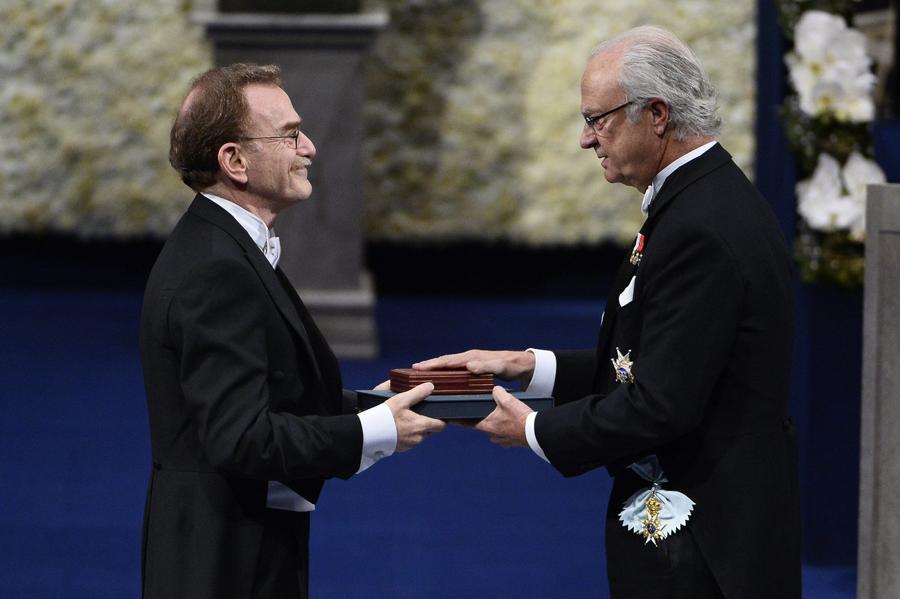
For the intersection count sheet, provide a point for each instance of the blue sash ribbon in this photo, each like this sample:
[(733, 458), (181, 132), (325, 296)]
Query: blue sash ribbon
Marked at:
[(654, 512)]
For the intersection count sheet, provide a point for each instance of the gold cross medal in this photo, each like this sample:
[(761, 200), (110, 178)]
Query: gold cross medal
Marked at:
[(652, 528), (654, 513), (622, 367)]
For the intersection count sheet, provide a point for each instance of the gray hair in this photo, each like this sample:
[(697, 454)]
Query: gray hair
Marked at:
[(656, 64)]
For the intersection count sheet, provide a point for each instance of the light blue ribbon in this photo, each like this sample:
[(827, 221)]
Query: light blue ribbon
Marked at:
[(675, 508)]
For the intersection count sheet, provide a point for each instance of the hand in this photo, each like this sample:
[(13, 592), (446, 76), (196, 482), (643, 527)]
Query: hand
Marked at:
[(385, 386), (508, 365), (506, 424), (412, 428)]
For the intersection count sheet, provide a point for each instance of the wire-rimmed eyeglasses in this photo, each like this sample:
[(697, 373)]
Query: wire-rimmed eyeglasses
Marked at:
[(597, 121), (294, 135)]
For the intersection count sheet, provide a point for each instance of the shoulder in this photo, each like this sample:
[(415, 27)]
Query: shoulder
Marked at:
[(719, 203), (200, 259), (722, 218)]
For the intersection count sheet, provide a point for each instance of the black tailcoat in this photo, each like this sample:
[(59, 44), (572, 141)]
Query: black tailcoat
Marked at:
[(710, 334), (241, 389)]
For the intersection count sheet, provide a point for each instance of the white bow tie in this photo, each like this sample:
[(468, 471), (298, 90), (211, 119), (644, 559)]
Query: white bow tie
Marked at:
[(272, 250), (648, 197)]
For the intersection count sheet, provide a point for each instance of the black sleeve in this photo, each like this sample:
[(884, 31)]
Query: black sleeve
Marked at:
[(574, 374)]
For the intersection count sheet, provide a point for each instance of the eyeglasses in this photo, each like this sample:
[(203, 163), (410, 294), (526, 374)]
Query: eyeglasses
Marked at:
[(294, 136), (596, 122)]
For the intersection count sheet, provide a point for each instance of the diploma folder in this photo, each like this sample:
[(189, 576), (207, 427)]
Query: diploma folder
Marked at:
[(455, 407)]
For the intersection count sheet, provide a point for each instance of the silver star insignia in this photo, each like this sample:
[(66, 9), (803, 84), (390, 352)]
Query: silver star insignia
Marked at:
[(622, 367)]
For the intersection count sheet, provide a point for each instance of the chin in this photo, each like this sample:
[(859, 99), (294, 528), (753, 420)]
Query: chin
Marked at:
[(304, 194)]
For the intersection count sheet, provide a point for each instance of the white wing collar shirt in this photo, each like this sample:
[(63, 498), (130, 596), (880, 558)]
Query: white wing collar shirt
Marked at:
[(379, 430)]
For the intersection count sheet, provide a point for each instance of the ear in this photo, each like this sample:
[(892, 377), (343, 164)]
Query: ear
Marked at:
[(233, 163), (659, 116)]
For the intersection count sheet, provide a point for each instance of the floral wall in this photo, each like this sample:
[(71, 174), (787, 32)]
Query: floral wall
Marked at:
[(473, 119), (89, 92), (475, 114)]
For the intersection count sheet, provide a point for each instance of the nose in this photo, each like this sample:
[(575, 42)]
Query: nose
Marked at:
[(588, 137), (305, 146)]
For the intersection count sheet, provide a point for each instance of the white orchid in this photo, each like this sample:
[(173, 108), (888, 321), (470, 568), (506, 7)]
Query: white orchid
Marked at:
[(830, 68), (860, 172), (834, 198), (821, 201), (814, 33)]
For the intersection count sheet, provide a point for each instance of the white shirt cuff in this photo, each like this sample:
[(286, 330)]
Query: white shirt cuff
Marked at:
[(532, 438), (379, 435), (544, 375)]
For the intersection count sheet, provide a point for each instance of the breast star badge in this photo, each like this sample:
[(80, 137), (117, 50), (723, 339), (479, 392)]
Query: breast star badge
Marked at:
[(622, 367)]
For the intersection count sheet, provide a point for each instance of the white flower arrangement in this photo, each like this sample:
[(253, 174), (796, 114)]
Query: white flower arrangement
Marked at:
[(830, 68), (827, 121)]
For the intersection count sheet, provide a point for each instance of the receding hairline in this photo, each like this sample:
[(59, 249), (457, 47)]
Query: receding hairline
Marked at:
[(189, 100), (247, 74)]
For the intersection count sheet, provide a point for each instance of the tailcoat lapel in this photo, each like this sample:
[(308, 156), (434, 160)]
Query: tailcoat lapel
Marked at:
[(207, 210), (626, 271), (328, 368), (712, 159)]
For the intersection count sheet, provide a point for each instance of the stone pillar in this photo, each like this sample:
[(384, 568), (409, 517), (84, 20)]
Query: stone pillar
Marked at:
[(879, 470), (322, 61)]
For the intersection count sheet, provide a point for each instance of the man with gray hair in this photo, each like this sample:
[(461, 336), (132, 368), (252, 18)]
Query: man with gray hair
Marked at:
[(685, 399)]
